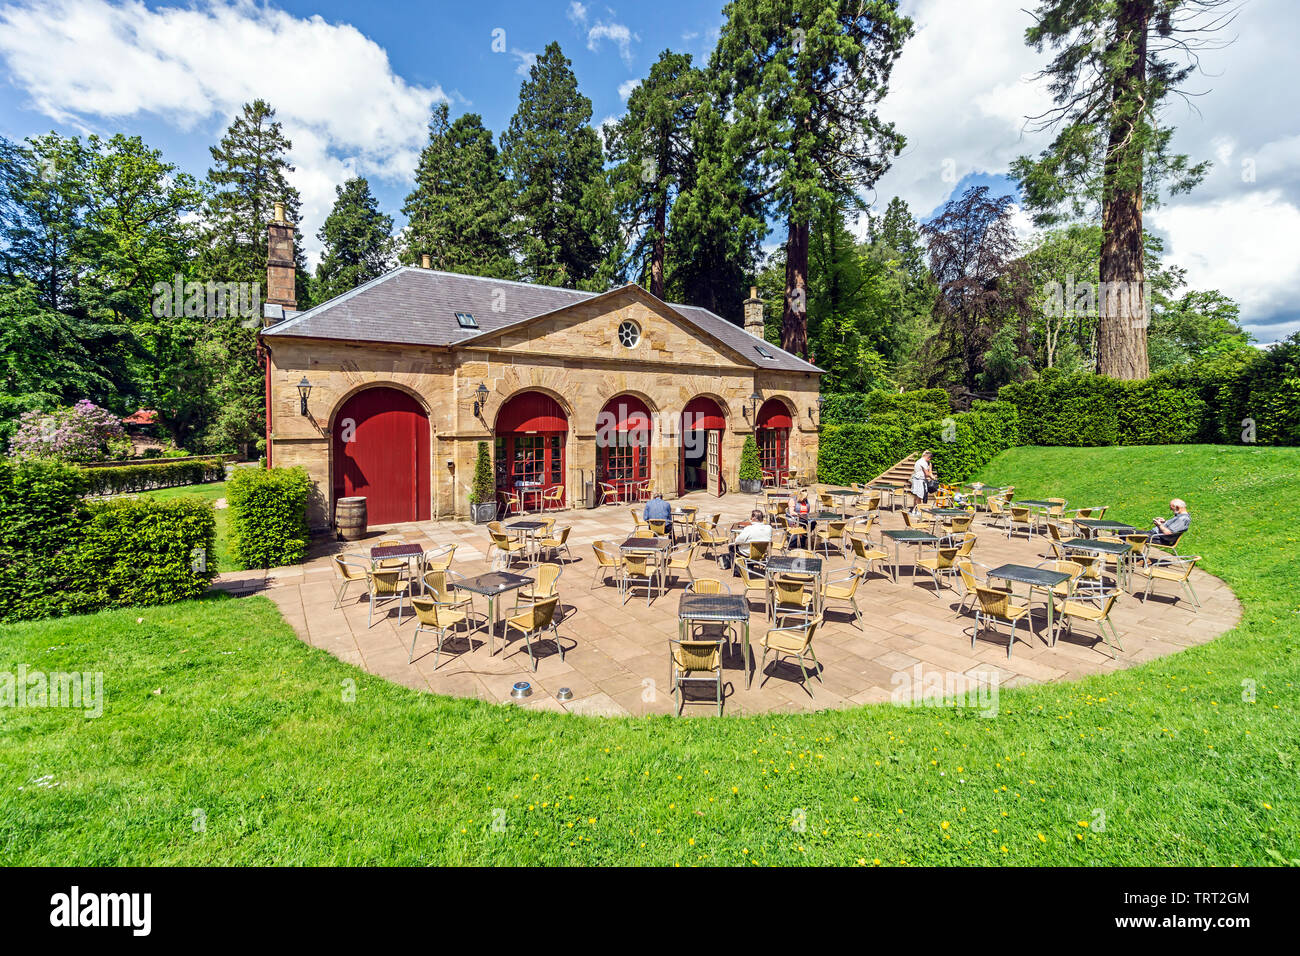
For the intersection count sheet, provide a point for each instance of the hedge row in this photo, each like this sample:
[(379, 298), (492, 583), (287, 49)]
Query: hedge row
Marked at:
[(61, 555), (860, 407), (121, 479), (1254, 396), (268, 516), (962, 443)]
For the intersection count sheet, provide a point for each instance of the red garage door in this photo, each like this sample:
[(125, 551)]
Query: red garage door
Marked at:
[(381, 452)]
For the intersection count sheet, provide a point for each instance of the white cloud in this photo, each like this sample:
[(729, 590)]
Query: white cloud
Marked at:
[(963, 87), (526, 61), (626, 87), (616, 33), (577, 13), (334, 90)]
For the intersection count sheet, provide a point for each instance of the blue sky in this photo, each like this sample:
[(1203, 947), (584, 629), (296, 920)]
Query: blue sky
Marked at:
[(353, 85)]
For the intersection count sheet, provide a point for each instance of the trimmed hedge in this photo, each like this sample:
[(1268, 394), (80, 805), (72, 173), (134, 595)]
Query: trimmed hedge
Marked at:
[(846, 408), (122, 479), (61, 555), (860, 451), (1212, 401), (268, 516)]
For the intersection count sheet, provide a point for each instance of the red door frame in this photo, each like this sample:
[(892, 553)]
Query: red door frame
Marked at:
[(774, 416), (630, 414), (386, 458), (532, 415), (704, 415)]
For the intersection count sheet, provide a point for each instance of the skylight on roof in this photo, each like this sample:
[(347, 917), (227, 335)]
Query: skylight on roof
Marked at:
[(762, 351), (466, 320)]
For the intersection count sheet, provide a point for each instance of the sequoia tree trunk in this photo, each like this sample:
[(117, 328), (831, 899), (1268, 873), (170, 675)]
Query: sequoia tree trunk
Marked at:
[(657, 252), (1122, 326), (794, 322)]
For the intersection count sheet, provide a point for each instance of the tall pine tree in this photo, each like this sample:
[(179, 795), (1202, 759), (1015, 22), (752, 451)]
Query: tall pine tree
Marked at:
[(459, 210), (564, 229), (652, 151), (356, 240), (803, 79)]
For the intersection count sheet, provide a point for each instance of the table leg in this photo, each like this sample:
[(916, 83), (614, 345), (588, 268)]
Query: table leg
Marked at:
[(491, 623), (749, 677)]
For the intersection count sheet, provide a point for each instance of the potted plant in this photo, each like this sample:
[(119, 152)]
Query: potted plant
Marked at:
[(483, 490), (751, 471)]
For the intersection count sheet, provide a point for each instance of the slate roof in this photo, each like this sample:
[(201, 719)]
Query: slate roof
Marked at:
[(410, 306)]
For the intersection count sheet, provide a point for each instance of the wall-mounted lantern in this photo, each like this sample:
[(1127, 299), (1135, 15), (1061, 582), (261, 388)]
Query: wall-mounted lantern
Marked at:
[(815, 414), (304, 389), (755, 400), (481, 397)]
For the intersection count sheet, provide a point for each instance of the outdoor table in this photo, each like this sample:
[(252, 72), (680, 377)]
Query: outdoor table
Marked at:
[(946, 512), (1034, 503), (1093, 546), (658, 546), (843, 494), (978, 490), (716, 609), (491, 585), (901, 536), (792, 564), (527, 529), (891, 490), (1093, 525), (408, 551), (1035, 578), (526, 488)]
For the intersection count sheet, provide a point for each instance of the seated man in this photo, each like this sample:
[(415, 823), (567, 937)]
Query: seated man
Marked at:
[(753, 530), (656, 509), (1168, 532)]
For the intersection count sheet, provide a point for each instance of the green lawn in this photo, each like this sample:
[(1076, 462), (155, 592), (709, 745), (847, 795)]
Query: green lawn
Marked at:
[(209, 492), (216, 712)]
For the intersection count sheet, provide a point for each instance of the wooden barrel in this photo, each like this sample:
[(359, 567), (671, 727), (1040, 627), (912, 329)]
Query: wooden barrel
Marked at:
[(350, 518)]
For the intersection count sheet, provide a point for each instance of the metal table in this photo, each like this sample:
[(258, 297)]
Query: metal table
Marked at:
[(891, 490), (843, 494), (791, 564), (1035, 578), (901, 536), (390, 551), (1093, 546), (492, 585), (716, 609), (1093, 525), (527, 529)]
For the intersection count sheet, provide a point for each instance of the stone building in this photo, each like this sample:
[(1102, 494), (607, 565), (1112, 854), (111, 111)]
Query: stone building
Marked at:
[(387, 390)]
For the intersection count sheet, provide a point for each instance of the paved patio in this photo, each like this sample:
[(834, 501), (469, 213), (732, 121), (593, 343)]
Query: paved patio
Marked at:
[(616, 653)]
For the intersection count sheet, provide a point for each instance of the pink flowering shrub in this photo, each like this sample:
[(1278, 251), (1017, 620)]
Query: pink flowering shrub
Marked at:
[(84, 432)]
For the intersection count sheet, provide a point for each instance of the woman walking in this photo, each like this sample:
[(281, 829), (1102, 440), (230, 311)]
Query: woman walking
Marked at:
[(922, 475)]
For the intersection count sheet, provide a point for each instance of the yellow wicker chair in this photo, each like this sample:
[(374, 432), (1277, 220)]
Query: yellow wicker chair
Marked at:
[(1079, 608), (391, 562), (534, 622), (553, 544), (944, 561), (639, 525), (440, 586), (680, 560), (996, 606), (387, 584), (506, 547), (753, 580), (553, 499), (544, 587), (864, 553), (711, 538), (658, 527), (640, 569), (691, 658), (438, 559), (831, 531), (607, 562), (969, 570), (793, 641), (438, 618), (708, 586), (960, 524), (1022, 517), (1176, 568), (791, 596), (1063, 566), (843, 586), (349, 569)]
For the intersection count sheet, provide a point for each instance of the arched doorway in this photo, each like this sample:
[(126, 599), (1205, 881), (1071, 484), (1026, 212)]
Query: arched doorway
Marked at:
[(531, 430), (772, 433), (702, 427), (381, 452), (623, 430)]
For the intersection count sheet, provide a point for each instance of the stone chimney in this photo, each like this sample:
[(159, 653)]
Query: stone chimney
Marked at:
[(754, 313), (425, 261), (280, 273)]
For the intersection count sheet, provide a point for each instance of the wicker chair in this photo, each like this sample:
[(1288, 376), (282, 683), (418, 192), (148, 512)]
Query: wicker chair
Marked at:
[(440, 586), (969, 570), (864, 551), (640, 568), (387, 584), (553, 498), (506, 547), (831, 531), (944, 562), (710, 537), (607, 562), (791, 596), (349, 569), (1172, 567), (1023, 517), (692, 658), (439, 619), (679, 559), (544, 587), (996, 605), (555, 543), (1097, 612), (843, 586), (534, 622), (793, 641)]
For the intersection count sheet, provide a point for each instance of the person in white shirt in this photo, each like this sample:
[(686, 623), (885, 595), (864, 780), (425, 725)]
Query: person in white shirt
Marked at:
[(755, 530), (922, 473)]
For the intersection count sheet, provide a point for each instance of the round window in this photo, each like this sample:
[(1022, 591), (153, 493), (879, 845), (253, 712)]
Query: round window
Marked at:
[(629, 334)]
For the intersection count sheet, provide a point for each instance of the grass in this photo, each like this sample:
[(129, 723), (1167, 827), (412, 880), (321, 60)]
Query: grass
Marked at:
[(208, 492), (216, 713)]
